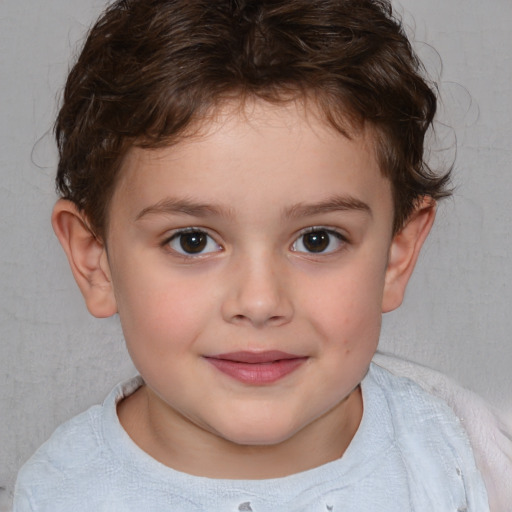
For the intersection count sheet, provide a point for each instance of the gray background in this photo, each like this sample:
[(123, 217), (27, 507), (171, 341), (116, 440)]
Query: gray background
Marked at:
[(55, 360)]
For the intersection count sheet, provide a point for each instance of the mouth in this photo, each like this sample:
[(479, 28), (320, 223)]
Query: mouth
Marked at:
[(257, 368)]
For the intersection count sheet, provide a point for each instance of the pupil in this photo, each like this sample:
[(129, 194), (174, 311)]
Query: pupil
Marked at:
[(317, 241), (193, 242)]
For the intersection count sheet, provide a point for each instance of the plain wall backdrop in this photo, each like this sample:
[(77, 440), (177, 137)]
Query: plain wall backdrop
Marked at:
[(56, 360)]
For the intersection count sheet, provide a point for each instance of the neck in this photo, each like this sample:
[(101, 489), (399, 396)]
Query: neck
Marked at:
[(177, 442)]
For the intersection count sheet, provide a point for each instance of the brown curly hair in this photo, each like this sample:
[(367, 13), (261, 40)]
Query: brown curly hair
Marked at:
[(151, 69)]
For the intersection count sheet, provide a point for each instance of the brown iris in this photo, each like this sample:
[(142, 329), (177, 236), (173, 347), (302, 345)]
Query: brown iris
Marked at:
[(193, 242), (316, 241)]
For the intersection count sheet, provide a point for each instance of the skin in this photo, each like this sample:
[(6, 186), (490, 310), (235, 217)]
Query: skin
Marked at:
[(255, 183)]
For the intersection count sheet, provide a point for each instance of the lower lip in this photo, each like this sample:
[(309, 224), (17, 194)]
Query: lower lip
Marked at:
[(257, 373)]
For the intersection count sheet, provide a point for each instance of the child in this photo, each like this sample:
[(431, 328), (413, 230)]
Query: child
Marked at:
[(243, 183)]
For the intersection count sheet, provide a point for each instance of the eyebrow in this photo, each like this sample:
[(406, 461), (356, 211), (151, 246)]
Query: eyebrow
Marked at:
[(172, 206), (183, 206), (333, 204)]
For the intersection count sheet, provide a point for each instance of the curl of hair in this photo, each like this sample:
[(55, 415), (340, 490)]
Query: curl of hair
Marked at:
[(151, 69)]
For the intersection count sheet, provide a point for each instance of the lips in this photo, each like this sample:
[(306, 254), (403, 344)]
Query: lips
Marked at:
[(257, 368)]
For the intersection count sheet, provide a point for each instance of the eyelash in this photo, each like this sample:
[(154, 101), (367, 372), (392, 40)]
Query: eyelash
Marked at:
[(331, 233), (177, 236), (204, 240)]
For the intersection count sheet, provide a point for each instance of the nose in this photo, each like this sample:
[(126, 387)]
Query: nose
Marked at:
[(258, 293)]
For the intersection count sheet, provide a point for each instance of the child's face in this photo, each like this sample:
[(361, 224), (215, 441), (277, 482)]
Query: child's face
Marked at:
[(250, 270)]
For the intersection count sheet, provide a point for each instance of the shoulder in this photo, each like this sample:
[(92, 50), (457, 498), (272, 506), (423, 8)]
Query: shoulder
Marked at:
[(68, 453), (434, 448), (474, 431), (414, 409), (74, 458)]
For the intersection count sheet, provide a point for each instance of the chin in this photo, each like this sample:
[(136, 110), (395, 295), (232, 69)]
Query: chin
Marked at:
[(257, 433), (258, 440)]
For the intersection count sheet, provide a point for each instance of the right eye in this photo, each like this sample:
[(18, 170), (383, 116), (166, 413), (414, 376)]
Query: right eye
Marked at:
[(193, 242), (318, 240)]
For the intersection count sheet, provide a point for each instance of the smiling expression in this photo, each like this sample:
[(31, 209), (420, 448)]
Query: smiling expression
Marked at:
[(249, 271)]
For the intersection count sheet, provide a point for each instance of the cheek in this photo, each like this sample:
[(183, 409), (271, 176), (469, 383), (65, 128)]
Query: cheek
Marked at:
[(163, 314), (347, 308)]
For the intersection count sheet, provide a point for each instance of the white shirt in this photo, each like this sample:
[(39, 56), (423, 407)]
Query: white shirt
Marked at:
[(410, 453)]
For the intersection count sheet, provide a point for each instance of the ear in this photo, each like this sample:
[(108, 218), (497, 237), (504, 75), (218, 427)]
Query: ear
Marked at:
[(87, 257), (404, 251)]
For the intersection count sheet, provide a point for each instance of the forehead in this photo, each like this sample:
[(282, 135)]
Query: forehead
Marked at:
[(279, 154)]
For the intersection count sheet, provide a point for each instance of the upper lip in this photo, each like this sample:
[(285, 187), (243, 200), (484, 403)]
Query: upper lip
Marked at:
[(268, 356)]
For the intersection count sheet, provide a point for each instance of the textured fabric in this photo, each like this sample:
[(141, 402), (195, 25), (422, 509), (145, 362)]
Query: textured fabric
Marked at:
[(409, 454), (489, 434)]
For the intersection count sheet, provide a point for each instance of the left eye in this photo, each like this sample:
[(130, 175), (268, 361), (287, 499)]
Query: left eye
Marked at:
[(193, 242), (318, 241)]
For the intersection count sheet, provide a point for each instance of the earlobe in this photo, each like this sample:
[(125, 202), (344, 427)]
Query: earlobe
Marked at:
[(404, 251), (87, 257)]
